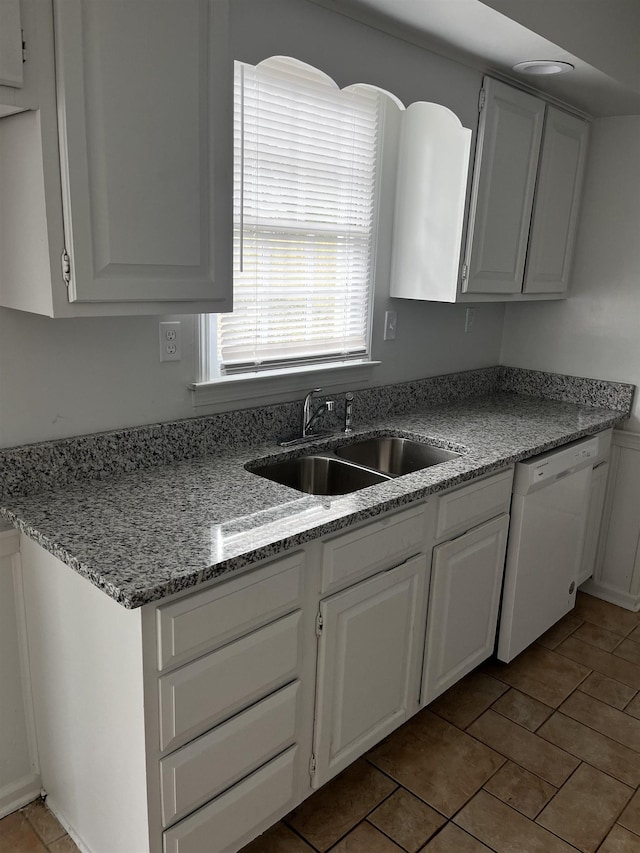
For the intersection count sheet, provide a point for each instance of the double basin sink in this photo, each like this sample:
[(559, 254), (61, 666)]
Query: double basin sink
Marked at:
[(354, 466)]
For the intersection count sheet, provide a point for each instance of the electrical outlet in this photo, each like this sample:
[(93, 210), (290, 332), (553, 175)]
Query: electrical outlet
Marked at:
[(390, 325), (170, 340), (469, 319)]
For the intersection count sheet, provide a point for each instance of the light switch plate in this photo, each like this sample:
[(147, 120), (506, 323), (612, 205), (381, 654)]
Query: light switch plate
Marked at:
[(390, 325)]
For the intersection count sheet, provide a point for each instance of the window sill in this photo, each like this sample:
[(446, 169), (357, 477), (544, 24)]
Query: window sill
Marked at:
[(278, 386)]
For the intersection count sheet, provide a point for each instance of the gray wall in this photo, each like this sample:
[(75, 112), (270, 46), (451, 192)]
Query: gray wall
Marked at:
[(67, 377), (596, 332)]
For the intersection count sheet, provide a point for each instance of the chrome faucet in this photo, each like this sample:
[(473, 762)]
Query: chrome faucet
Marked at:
[(348, 412), (309, 418)]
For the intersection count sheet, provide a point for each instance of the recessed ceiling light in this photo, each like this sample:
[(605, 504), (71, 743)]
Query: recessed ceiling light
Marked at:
[(543, 66)]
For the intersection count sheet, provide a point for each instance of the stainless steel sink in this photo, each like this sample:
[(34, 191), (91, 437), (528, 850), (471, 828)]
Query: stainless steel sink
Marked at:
[(319, 475), (394, 456)]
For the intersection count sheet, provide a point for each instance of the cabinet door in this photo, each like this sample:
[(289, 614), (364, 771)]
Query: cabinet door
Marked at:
[(594, 520), (144, 103), (369, 664), (466, 582), (10, 44), (556, 207), (507, 149)]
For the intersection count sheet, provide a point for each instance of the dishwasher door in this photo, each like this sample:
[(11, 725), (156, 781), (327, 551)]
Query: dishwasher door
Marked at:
[(544, 552)]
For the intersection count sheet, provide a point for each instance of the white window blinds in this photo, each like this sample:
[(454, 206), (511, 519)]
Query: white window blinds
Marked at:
[(304, 212)]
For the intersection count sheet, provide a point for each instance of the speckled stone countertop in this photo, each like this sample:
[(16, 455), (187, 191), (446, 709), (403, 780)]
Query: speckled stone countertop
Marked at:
[(142, 535)]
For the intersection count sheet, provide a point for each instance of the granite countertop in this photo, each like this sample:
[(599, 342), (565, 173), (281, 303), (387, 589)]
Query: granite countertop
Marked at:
[(146, 534)]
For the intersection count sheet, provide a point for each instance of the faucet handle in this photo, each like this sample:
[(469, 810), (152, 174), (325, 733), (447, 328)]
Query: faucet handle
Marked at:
[(348, 412)]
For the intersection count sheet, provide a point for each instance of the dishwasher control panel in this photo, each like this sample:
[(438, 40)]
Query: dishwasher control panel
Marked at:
[(555, 463)]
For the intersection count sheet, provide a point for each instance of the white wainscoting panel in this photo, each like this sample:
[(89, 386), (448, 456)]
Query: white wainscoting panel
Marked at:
[(19, 771), (616, 577)]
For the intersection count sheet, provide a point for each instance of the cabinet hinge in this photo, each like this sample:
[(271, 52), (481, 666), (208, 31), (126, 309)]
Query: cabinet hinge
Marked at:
[(312, 766), (24, 46), (465, 272), (66, 267), (319, 624), (482, 100)]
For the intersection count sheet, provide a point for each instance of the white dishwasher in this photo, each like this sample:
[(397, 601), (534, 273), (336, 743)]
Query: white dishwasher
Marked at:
[(546, 537)]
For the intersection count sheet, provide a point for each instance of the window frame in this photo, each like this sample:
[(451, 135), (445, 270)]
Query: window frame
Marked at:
[(213, 388)]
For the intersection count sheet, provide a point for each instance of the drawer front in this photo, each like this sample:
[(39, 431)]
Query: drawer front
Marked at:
[(373, 547), (230, 820), (202, 622), (199, 771), (201, 694), (471, 505)]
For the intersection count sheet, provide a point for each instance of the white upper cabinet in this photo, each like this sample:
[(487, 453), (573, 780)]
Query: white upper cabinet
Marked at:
[(509, 138), (431, 183), (11, 73), (555, 212), (530, 160), (523, 209), (136, 140)]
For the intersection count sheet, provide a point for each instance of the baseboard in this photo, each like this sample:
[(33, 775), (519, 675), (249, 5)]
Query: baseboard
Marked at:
[(614, 596), (18, 794), (82, 846)]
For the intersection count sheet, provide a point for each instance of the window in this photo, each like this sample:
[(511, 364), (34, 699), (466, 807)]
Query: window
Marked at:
[(305, 185)]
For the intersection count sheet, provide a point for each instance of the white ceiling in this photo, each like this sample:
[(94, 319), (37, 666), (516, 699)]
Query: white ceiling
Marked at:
[(600, 37)]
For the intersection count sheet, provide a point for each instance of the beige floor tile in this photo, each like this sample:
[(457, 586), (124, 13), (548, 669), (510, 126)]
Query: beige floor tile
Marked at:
[(605, 615), (603, 718), (452, 839), (630, 817), (633, 708), (520, 789), (66, 845), (541, 673), (607, 690), (406, 820), (597, 636), (278, 839), (522, 709), (560, 631), (584, 809), (620, 840), (43, 821), (629, 651), (635, 634), (506, 830), (596, 749), (436, 761), (366, 839), (467, 699), (18, 836), (604, 662), (524, 748), (337, 807)]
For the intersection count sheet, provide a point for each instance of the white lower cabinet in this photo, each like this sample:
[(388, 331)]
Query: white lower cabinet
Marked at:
[(225, 824), (597, 492), (463, 605), (370, 648), (249, 693)]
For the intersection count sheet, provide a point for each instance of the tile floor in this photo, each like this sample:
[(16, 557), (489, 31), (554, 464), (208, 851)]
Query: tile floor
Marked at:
[(540, 756), (34, 829)]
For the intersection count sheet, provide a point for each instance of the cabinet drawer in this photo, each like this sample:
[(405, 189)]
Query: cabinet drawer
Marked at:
[(202, 769), (203, 693), (229, 821), (199, 623), (373, 547), (471, 505)]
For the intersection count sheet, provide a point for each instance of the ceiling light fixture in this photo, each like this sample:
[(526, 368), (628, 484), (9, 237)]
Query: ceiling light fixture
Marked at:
[(543, 66)]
